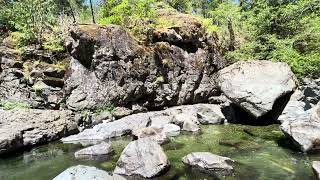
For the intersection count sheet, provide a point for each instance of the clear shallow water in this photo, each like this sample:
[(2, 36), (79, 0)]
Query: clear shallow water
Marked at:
[(260, 153)]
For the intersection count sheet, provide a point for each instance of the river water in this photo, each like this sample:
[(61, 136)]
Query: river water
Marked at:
[(261, 153)]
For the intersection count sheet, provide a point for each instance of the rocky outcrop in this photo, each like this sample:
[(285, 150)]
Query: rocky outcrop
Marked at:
[(305, 131), (316, 168), (209, 163), (258, 87), (23, 128), (108, 66), (36, 83), (143, 157), (81, 172), (101, 151), (183, 116)]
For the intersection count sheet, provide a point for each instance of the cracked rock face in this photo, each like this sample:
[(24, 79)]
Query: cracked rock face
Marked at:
[(209, 163), (108, 66), (20, 128), (143, 157), (255, 86)]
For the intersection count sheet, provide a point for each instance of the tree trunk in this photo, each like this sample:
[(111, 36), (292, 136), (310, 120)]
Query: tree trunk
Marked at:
[(91, 6), (232, 36)]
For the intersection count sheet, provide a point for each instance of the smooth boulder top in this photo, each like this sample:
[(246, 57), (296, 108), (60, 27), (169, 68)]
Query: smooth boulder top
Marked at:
[(143, 157), (256, 85), (305, 130), (81, 172), (210, 163)]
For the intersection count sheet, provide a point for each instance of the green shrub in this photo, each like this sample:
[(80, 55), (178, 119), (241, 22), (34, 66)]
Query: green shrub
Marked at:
[(14, 105), (107, 108)]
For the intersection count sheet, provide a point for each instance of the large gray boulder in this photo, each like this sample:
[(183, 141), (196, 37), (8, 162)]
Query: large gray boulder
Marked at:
[(316, 168), (21, 128), (101, 151), (143, 157), (294, 109), (305, 130), (81, 172), (209, 163), (255, 86)]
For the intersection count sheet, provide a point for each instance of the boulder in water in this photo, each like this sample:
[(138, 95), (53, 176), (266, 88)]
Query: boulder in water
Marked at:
[(143, 157), (209, 163), (258, 87)]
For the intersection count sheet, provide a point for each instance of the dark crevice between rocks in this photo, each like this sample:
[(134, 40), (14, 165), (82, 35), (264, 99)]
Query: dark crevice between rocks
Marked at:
[(237, 115)]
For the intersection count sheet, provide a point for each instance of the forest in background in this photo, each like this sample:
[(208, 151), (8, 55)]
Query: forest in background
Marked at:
[(277, 30)]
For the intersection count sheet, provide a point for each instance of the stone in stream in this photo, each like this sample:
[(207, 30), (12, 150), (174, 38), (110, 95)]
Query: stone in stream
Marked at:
[(188, 123), (143, 157), (258, 87), (190, 126), (210, 115), (305, 131), (171, 130), (316, 168), (30, 127), (101, 151), (152, 133), (81, 172), (210, 163)]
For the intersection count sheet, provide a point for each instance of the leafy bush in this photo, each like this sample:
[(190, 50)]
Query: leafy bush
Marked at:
[(14, 105), (137, 15)]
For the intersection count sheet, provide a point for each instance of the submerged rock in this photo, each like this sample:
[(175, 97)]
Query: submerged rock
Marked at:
[(256, 86), (316, 168), (209, 163), (305, 133), (144, 158), (21, 128), (81, 172), (101, 151)]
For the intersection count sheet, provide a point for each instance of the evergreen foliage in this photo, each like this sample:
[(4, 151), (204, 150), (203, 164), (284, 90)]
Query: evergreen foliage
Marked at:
[(277, 30)]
